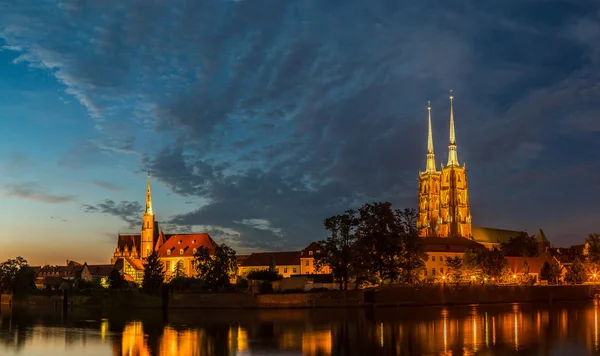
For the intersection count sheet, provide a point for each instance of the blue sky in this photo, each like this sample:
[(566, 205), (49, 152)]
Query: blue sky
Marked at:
[(260, 118)]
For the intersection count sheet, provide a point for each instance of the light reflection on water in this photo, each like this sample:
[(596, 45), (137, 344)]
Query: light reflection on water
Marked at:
[(498, 329)]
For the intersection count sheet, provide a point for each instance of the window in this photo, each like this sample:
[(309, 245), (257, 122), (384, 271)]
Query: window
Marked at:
[(425, 272), (433, 271), (318, 251), (181, 251), (441, 271), (307, 263), (168, 252), (310, 253), (277, 270), (168, 266), (294, 270), (433, 258), (285, 270)]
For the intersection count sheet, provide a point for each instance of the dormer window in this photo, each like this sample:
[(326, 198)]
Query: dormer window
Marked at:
[(168, 252), (195, 250), (181, 251), (179, 242), (310, 253), (193, 242)]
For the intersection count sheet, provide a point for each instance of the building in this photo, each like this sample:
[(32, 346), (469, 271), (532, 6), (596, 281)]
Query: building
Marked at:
[(286, 263), (439, 249), (176, 251), (54, 276), (307, 260), (443, 195), (443, 199)]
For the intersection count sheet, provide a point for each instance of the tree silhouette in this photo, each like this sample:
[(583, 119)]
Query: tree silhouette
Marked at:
[(154, 274)]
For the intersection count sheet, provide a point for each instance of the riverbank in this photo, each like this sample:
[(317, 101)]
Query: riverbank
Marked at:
[(438, 295)]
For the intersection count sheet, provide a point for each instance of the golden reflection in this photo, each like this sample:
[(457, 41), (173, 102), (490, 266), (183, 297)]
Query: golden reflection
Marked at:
[(132, 341), (180, 342), (516, 326), (381, 334), (317, 343), (487, 332), (494, 330), (596, 327), (103, 329)]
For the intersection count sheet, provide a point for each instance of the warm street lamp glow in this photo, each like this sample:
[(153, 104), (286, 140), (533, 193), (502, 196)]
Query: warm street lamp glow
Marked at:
[(443, 277), (514, 276), (485, 279), (472, 277), (594, 275)]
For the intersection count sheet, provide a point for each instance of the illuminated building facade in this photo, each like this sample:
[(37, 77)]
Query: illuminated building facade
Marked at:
[(443, 195), (176, 251)]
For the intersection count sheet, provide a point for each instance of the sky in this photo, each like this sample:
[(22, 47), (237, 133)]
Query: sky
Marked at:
[(258, 119)]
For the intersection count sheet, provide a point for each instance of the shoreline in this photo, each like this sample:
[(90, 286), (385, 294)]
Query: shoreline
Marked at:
[(383, 297)]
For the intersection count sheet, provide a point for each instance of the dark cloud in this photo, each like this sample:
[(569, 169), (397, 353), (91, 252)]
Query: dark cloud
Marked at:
[(32, 191), (128, 211), (107, 185), (279, 113)]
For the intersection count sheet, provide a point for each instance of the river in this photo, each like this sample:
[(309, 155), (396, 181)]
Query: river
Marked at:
[(531, 329)]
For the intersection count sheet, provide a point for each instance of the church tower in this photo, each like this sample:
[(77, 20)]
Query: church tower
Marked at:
[(429, 189), (147, 244), (455, 214)]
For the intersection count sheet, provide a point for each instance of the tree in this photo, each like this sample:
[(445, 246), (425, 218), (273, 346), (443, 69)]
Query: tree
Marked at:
[(179, 271), (454, 265), (337, 248), (115, 280), (550, 272), (575, 272), (520, 246), (380, 232), (270, 276), (592, 252), (154, 274), (410, 251), (471, 266), (216, 268), (8, 272), (493, 264), (24, 282)]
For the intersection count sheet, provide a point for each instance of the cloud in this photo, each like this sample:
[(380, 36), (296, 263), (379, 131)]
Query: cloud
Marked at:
[(32, 191), (107, 185), (282, 113), (128, 211), (58, 218)]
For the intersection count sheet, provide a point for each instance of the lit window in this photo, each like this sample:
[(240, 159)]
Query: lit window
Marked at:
[(425, 272), (433, 258), (168, 252), (310, 253), (181, 251), (441, 270), (285, 270), (307, 263), (294, 270), (318, 251), (168, 266), (195, 250), (433, 271)]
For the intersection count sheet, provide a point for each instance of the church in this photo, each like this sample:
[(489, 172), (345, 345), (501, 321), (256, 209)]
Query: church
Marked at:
[(176, 251), (443, 197)]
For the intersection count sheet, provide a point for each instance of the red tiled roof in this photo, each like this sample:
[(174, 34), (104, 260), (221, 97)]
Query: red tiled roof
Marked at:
[(69, 270), (185, 242), (449, 244), (280, 258), (135, 263), (100, 270)]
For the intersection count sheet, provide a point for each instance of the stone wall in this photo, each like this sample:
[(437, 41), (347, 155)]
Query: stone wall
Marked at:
[(212, 300), (333, 299), (474, 294)]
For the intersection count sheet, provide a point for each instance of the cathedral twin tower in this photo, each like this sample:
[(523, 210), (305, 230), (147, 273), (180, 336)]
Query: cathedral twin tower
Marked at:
[(443, 195)]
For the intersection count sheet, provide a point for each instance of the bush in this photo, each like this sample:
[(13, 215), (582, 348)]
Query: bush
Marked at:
[(242, 284), (186, 283), (265, 276), (266, 287)]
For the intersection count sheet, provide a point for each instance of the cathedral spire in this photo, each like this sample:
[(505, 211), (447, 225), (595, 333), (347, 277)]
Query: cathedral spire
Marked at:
[(452, 155), (149, 198), (430, 166)]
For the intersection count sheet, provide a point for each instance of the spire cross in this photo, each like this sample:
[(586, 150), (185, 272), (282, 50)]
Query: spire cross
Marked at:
[(430, 166)]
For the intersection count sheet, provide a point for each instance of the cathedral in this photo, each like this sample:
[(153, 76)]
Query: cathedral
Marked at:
[(443, 195), (176, 251)]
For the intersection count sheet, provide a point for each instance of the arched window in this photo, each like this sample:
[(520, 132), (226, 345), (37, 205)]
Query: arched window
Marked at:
[(181, 251)]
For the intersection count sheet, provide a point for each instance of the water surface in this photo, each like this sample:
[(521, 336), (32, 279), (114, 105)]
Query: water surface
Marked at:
[(530, 329)]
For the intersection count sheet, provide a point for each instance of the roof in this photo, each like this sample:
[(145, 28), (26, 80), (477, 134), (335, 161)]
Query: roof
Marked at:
[(290, 258), (541, 237), (129, 241), (517, 264), (490, 235), (70, 270), (135, 263), (100, 270), (314, 246), (187, 243), (449, 244), (239, 259)]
